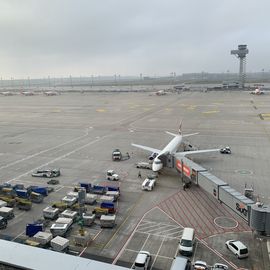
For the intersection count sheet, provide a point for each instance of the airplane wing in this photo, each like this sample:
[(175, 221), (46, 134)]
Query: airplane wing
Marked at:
[(186, 135), (182, 154), (150, 149)]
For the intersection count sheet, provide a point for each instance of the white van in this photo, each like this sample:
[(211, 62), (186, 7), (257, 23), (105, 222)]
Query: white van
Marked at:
[(187, 242), (142, 260)]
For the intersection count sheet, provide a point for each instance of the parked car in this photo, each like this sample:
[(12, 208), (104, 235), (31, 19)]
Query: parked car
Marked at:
[(47, 173), (220, 266), (237, 248), (200, 265), (142, 260), (225, 150), (143, 165)]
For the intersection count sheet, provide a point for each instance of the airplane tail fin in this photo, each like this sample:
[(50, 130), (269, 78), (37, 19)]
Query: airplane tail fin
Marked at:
[(180, 128)]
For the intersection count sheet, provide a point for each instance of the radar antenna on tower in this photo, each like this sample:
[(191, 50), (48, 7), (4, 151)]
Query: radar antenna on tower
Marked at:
[(241, 54)]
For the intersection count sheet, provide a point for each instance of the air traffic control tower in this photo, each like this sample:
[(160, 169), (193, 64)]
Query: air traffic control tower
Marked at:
[(241, 54)]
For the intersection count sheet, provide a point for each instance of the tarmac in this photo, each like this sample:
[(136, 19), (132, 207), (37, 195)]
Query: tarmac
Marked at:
[(77, 132)]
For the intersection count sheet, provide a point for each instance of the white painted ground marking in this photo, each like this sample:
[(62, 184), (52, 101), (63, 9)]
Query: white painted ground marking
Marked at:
[(157, 229), (157, 252), (159, 235), (42, 152), (18, 236), (58, 158), (161, 256)]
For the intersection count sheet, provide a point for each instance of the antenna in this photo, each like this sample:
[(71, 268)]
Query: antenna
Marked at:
[(241, 54)]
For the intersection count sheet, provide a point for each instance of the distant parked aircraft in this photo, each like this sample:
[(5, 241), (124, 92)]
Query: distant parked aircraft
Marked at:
[(7, 93), (257, 91), (27, 93), (50, 93)]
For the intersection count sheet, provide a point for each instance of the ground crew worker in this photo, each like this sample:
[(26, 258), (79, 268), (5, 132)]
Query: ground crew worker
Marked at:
[(139, 174), (184, 186)]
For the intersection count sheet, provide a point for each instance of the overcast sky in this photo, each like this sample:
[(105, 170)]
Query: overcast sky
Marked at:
[(43, 38)]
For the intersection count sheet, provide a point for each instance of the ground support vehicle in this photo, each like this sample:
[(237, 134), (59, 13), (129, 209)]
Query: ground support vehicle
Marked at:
[(98, 211), (33, 228), (53, 182), (7, 212), (116, 155), (225, 150), (77, 207), (112, 176), (43, 238), (47, 173), (143, 165), (10, 201), (50, 212), (24, 204), (219, 266), (59, 243), (149, 183), (142, 260), (107, 221), (3, 222)]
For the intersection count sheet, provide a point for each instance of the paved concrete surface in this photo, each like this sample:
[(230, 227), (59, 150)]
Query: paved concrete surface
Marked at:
[(77, 133)]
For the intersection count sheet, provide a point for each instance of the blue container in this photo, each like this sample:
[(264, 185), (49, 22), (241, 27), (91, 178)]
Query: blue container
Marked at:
[(41, 190), (87, 186), (22, 193), (32, 229)]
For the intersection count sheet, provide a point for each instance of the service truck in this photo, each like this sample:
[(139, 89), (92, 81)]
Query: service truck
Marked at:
[(107, 221)]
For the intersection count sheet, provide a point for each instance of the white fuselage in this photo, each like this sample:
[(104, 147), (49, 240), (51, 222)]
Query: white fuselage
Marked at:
[(170, 148)]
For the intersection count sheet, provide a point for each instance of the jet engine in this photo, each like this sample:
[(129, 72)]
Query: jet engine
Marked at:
[(152, 157)]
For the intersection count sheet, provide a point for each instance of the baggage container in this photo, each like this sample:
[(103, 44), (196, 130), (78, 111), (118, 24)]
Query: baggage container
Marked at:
[(50, 212), (60, 205), (107, 221), (32, 229), (106, 199), (7, 212), (3, 203), (98, 189), (90, 199), (36, 197), (69, 200), (59, 229), (59, 243), (63, 220), (42, 237), (109, 206), (111, 188), (88, 220), (73, 194), (10, 201), (8, 191), (69, 214), (24, 204), (114, 194), (42, 190), (100, 211), (22, 193), (86, 186)]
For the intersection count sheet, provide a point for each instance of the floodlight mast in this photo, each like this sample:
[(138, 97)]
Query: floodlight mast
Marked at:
[(241, 54)]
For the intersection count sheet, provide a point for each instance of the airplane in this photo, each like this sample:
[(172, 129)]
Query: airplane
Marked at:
[(50, 93), (7, 93), (257, 91), (171, 148), (27, 93)]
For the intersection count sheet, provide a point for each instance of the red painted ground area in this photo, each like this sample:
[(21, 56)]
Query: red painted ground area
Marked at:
[(198, 209)]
